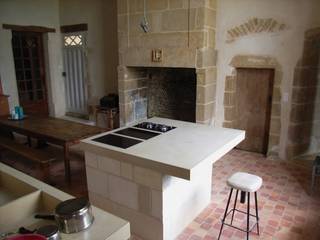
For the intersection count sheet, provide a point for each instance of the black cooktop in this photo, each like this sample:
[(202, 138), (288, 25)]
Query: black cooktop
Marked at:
[(118, 141), (155, 127), (143, 133), (137, 133)]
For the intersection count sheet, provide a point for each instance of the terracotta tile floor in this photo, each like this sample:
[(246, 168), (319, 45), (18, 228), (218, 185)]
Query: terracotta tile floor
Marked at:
[(286, 209)]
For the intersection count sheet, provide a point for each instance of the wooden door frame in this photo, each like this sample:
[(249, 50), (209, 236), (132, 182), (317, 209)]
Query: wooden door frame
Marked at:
[(21, 28), (268, 112)]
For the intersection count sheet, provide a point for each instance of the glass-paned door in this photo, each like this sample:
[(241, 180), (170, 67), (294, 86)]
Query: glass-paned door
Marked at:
[(30, 72), (75, 68)]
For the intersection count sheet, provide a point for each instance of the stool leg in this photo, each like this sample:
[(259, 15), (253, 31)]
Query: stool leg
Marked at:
[(225, 213), (257, 212), (234, 206), (248, 216)]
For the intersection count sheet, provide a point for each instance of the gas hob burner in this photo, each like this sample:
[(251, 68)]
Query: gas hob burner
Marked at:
[(155, 127)]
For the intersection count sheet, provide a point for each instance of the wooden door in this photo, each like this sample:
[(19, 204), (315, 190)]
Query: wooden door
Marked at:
[(253, 107), (30, 71), (4, 106)]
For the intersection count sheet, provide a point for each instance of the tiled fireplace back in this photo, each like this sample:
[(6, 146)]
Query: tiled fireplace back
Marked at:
[(172, 93), (185, 33)]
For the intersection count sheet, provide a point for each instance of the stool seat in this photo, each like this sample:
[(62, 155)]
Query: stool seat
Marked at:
[(245, 182)]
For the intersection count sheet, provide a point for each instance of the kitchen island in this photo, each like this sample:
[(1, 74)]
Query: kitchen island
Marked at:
[(159, 183)]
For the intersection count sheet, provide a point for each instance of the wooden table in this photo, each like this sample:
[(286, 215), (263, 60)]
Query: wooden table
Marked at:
[(53, 130)]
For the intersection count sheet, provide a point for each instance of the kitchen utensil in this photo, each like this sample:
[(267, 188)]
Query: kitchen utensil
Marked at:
[(51, 232), (21, 230), (27, 237), (71, 216), (144, 22)]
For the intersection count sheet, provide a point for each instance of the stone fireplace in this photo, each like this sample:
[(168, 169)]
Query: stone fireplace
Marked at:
[(181, 84)]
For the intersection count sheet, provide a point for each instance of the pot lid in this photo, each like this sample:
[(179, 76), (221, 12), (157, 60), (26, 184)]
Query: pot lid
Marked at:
[(72, 206), (48, 230)]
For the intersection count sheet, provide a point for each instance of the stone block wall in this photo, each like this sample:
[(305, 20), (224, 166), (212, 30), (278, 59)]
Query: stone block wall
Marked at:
[(132, 94), (184, 31), (304, 128)]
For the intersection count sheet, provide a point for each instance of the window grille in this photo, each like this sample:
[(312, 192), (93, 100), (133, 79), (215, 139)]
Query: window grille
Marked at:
[(73, 40)]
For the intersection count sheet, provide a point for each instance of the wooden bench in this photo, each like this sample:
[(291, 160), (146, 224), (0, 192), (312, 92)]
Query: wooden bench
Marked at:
[(43, 159)]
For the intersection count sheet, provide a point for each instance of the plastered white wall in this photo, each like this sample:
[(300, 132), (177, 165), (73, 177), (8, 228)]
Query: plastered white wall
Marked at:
[(101, 41), (285, 46), (38, 13)]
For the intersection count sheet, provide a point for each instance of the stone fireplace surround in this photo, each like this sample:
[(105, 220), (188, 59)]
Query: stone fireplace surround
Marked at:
[(133, 93), (185, 32), (161, 92)]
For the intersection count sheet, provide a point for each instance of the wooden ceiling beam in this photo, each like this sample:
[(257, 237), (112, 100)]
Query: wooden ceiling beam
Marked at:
[(21, 28)]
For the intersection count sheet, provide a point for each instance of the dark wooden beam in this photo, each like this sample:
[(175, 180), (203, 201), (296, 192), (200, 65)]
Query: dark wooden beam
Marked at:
[(28, 28), (74, 28)]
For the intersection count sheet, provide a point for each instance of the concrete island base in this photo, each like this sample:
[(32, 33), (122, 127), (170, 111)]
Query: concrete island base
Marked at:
[(157, 206)]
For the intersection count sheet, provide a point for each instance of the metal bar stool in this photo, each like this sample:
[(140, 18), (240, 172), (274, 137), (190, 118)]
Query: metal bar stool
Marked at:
[(246, 183), (315, 172)]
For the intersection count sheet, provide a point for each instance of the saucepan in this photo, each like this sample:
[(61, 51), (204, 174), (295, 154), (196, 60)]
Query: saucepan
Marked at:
[(71, 216), (27, 237), (46, 232)]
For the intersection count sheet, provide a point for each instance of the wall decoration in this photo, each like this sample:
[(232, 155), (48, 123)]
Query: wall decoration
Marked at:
[(255, 25)]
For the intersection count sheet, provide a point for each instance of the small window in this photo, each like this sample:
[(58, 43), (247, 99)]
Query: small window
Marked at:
[(73, 40)]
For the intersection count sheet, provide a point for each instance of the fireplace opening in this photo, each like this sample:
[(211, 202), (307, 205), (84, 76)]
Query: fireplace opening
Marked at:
[(171, 93), (158, 92)]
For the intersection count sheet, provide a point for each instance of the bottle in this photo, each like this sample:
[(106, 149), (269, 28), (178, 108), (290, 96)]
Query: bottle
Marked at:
[(13, 114), (21, 113), (17, 112)]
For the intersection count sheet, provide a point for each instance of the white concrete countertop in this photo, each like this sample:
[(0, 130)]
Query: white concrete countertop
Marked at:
[(105, 226), (176, 152)]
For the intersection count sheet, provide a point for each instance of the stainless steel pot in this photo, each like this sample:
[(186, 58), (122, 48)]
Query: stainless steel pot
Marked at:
[(51, 232), (74, 215), (71, 216)]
